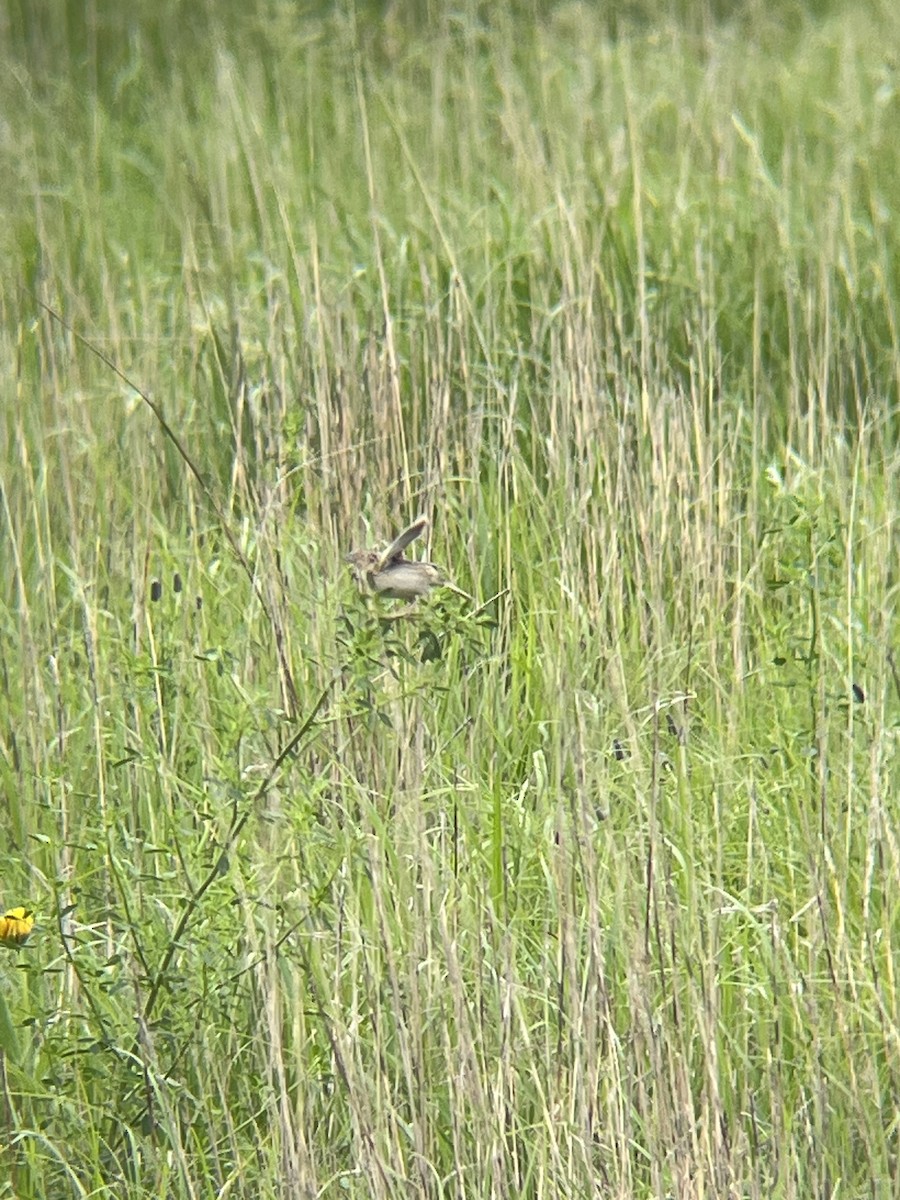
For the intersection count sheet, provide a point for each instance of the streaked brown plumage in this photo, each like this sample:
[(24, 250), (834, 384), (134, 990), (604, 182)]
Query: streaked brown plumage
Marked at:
[(391, 575)]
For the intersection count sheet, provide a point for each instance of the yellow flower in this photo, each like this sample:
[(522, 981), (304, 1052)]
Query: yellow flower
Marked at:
[(16, 925)]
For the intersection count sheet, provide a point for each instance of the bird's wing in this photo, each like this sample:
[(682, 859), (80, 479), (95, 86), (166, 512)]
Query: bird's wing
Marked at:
[(399, 544)]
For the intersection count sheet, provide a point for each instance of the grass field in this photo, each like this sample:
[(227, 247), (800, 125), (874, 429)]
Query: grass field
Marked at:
[(586, 887)]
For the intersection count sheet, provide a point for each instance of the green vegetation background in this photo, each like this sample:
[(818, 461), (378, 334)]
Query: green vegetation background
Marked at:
[(586, 887)]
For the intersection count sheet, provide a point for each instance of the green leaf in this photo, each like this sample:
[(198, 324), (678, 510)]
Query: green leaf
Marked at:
[(9, 1042)]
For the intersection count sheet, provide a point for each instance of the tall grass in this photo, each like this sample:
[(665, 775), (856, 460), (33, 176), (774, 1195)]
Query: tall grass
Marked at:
[(588, 887)]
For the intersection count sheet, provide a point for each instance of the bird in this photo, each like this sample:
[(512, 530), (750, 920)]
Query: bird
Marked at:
[(16, 925), (389, 574)]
